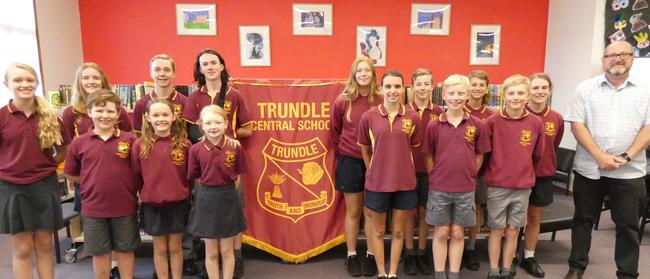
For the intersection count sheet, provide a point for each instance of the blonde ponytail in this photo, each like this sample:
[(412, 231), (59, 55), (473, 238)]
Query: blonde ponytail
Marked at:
[(49, 128)]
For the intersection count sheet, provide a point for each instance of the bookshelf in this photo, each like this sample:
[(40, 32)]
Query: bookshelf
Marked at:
[(495, 92), (129, 93)]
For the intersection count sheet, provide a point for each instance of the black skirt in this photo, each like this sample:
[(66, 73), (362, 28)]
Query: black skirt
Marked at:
[(218, 213), (32, 207), (165, 219)]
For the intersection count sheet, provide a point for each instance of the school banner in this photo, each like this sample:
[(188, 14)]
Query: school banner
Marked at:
[(292, 208)]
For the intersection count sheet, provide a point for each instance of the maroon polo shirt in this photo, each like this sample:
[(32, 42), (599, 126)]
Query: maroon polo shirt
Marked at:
[(454, 150), (427, 115), (108, 180), (482, 113), (344, 132), (517, 147), (391, 168), (217, 165), (78, 124), (553, 132), (176, 99), (22, 161), (163, 172), (234, 105)]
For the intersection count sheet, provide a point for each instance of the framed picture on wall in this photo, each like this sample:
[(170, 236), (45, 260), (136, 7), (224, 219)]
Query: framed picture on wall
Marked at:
[(312, 19), (371, 42), (196, 19), (430, 19), (485, 45), (255, 45)]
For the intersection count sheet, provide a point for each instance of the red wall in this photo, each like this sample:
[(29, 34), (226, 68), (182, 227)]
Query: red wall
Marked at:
[(122, 35)]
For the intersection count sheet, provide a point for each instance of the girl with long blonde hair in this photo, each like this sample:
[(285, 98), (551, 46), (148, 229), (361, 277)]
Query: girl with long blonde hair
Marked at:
[(32, 144), (360, 94)]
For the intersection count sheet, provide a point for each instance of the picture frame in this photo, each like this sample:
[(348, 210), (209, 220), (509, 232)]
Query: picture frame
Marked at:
[(312, 19), (255, 45), (371, 42), (485, 44), (196, 19), (430, 19)]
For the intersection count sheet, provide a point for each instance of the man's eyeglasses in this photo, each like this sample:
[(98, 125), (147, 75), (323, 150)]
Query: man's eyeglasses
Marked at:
[(624, 55)]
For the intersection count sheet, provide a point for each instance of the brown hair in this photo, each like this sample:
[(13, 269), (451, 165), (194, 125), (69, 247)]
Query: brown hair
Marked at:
[(421, 72), (480, 74), (178, 132), (101, 97), (543, 76), (351, 91)]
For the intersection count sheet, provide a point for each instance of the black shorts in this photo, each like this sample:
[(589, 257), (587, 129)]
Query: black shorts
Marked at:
[(422, 188), (383, 201), (164, 219), (103, 235), (542, 193), (350, 174), (32, 207)]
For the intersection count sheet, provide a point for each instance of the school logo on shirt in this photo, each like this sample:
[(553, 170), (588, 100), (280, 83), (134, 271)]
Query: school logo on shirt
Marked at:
[(229, 161), (178, 109), (407, 126), (470, 133), (526, 138), (178, 157), (433, 117), (123, 149), (227, 105), (550, 128), (295, 182)]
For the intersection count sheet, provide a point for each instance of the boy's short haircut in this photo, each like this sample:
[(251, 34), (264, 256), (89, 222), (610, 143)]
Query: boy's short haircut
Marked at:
[(163, 56), (420, 72), (479, 74), (454, 80), (515, 80), (101, 97)]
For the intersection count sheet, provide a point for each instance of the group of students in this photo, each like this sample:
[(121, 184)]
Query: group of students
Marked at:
[(428, 166), (127, 177), (435, 167)]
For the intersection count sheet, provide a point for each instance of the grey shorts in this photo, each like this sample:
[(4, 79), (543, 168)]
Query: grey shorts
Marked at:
[(481, 191), (444, 208), (103, 235), (507, 207)]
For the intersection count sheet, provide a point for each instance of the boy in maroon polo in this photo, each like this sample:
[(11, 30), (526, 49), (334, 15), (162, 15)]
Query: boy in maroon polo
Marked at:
[(542, 194), (100, 162), (454, 146), (417, 260), (517, 146), (162, 71), (387, 133)]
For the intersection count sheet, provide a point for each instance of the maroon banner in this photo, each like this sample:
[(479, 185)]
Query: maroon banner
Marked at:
[(292, 208)]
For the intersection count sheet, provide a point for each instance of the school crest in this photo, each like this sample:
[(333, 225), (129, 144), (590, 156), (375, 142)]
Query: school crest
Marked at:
[(525, 138), (433, 117), (123, 149), (229, 160), (178, 109), (407, 126), (549, 128), (178, 157), (299, 169), (470, 133), (227, 105)]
